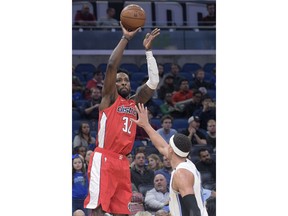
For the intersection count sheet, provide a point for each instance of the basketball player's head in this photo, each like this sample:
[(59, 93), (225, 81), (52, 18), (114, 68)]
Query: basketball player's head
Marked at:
[(180, 144), (123, 83)]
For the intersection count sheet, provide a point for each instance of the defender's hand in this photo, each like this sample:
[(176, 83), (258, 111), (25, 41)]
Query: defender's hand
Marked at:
[(147, 42)]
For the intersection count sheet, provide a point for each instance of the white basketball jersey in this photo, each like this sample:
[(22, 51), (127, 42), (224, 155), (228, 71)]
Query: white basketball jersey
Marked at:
[(174, 203)]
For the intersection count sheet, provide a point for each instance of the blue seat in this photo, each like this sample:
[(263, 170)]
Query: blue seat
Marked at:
[(190, 67), (156, 121), (80, 103), (130, 67), (208, 67), (212, 93), (75, 115), (85, 67), (102, 67), (158, 101), (167, 67), (134, 85), (179, 123), (138, 77), (186, 75), (143, 68)]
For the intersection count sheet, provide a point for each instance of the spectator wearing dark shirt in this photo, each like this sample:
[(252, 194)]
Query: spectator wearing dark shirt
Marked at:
[(84, 17), (198, 80), (210, 19), (91, 107), (141, 177), (193, 132), (206, 163)]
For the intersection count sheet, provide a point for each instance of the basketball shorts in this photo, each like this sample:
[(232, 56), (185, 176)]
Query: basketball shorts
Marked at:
[(109, 182)]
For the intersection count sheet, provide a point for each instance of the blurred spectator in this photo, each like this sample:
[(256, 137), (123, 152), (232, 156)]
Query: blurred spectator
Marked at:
[(84, 17), (211, 206), (206, 163), (91, 107), (109, 20), (161, 74), (166, 87), (96, 82), (154, 162), (83, 137), (166, 131), (130, 159), (158, 197), (77, 86), (183, 93), (141, 133), (211, 133), (210, 19), (141, 176), (198, 80), (207, 112), (193, 104), (143, 213), (166, 170), (174, 71), (168, 107), (87, 158), (193, 132), (81, 150), (79, 183), (79, 212), (162, 212)]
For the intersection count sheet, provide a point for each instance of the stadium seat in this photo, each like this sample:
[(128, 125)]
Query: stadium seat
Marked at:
[(75, 115), (167, 67), (134, 85), (212, 93), (138, 77), (158, 101), (179, 123), (93, 133), (143, 68), (190, 67), (208, 67), (186, 75), (85, 68), (102, 67), (80, 103), (156, 121), (130, 67)]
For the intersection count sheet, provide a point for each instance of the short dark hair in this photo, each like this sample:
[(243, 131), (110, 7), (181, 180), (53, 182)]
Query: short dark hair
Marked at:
[(202, 150), (166, 117), (182, 142), (122, 70)]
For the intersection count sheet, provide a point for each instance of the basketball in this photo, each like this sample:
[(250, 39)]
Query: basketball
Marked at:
[(132, 16)]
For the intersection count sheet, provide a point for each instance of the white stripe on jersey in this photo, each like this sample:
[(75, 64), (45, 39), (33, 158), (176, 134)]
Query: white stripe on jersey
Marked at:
[(101, 132), (94, 186)]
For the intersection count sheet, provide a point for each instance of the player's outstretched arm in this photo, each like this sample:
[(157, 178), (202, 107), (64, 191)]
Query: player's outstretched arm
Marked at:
[(143, 122), (109, 92), (147, 90)]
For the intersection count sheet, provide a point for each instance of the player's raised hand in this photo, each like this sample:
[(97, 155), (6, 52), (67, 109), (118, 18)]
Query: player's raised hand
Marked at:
[(147, 42), (129, 34), (142, 115)]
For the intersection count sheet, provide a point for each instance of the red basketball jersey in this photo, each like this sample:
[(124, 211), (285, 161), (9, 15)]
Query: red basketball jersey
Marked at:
[(116, 131)]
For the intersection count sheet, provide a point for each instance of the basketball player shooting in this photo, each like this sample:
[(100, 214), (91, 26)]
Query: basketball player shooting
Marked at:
[(108, 171), (185, 184)]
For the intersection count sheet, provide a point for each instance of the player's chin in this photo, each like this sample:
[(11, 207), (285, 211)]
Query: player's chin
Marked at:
[(124, 93)]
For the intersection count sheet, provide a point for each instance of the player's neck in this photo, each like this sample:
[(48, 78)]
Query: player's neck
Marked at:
[(176, 161)]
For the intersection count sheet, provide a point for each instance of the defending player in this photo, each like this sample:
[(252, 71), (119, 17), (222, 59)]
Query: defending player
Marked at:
[(185, 184), (108, 171)]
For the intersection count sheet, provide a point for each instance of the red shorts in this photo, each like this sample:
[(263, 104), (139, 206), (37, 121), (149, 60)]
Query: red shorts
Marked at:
[(109, 182)]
